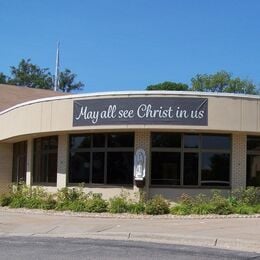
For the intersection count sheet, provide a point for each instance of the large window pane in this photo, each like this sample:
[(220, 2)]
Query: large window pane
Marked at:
[(79, 167), (253, 143), (120, 167), (98, 167), (165, 168), (19, 161), (99, 140), (216, 142), (191, 169), (45, 159), (80, 141), (121, 140), (166, 140), (215, 169), (191, 141), (52, 167), (253, 170)]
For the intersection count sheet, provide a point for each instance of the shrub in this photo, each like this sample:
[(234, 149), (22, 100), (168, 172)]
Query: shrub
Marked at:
[(5, 200), (220, 205), (95, 203), (249, 196), (157, 206), (136, 207), (118, 204), (180, 209), (244, 209), (71, 199)]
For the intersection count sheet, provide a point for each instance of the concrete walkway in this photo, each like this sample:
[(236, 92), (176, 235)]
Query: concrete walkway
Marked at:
[(237, 233)]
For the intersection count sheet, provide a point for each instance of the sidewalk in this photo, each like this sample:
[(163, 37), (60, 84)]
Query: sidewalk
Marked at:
[(231, 232)]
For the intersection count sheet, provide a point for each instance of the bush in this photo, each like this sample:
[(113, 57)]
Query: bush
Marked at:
[(118, 204), (244, 209), (249, 196), (136, 207), (95, 203), (180, 209), (71, 199), (5, 200), (220, 205), (157, 206)]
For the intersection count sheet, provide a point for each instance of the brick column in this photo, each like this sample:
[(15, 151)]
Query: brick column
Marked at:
[(29, 164), (238, 177), (62, 167), (6, 160), (142, 141)]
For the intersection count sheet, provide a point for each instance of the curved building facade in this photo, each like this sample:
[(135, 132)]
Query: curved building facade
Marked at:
[(160, 142)]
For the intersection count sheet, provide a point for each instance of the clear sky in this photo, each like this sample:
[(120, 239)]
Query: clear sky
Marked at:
[(129, 44)]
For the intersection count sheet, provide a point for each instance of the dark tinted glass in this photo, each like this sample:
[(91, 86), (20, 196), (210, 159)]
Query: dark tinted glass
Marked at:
[(191, 168), (51, 167), (99, 140), (166, 140), (120, 167), (121, 140), (98, 167), (165, 168), (191, 141), (79, 167), (19, 161), (215, 169), (253, 143), (45, 159), (80, 141), (253, 170), (216, 142)]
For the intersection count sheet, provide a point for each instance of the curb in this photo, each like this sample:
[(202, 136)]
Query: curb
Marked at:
[(119, 215)]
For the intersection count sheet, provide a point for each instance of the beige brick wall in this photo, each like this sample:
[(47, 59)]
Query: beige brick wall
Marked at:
[(6, 155), (62, 167), (238, 168), (142, 141)]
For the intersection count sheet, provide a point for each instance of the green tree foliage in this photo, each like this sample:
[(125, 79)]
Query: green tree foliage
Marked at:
[(67, 81), (168, 85), (32, 76), (222, 81), (3, 78)]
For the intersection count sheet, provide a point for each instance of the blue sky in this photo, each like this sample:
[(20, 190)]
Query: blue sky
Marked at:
[(129, 44)]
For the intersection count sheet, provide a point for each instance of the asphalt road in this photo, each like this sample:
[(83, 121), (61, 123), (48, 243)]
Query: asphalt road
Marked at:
[(70, 248)]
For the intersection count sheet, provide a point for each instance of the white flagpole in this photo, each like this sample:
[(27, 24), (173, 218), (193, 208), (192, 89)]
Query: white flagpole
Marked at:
[(57, 68)]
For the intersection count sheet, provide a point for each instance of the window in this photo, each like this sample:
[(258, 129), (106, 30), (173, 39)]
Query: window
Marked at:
[(103, 159), (253, 161), (19, 161), (190, 159), (45, 160)]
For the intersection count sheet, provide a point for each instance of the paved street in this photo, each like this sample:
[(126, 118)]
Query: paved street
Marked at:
[(228, 233), (25, 248)]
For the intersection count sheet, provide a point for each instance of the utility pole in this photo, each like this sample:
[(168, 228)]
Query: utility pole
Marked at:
[(57, 69)]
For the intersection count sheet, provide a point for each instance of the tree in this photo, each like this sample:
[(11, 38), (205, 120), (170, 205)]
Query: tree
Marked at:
[(67, 81), (222, 81), (30, 75), (3, 78), (168, 85)]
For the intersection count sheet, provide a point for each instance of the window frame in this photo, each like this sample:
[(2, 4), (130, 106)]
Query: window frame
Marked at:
[(250, 152), (199, 151), (44, 152), (94, 149), (17, 155)]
